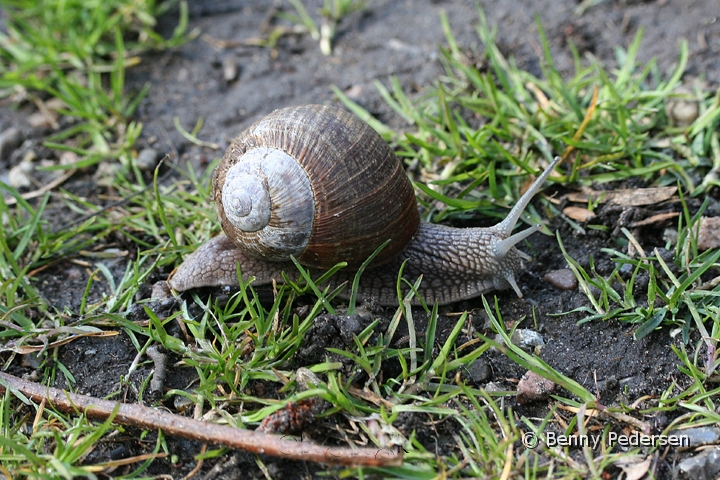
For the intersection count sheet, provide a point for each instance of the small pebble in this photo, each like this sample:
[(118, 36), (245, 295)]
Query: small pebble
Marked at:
[(355, 92), (532, 387), (699, 436), (10, 139), (119, 453), (68, 158), (703, 466), (494, 387), (682, 111), (306, 379), (182, 403), (527, 339), (349, 326), (670, 235), (479, 371), (104, 176), (20, 176), (41, 120), (709, 234), (55, 104), (563, 279), (30, 360), (147, 159), (229, 69)]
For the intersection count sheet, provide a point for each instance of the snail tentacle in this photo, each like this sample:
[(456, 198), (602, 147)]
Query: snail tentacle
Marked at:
[(506, 226), (502, 247)]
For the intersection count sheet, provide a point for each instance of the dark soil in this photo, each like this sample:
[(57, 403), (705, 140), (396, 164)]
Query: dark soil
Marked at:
[(391, 38)]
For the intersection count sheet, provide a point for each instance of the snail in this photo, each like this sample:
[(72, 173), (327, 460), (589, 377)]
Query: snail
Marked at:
[(317, 183)]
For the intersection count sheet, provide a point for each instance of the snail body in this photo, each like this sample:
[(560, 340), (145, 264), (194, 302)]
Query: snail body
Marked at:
[(316, 183)]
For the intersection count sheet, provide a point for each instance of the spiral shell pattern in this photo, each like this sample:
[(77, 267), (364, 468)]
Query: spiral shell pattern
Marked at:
[(336, 190)]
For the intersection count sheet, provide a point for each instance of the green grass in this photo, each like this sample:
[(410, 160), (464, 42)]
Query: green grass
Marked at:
[(330, 14), (474, 128), (77, 51)]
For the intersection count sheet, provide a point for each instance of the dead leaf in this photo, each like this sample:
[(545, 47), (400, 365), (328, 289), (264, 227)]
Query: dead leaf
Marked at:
[(659, 218), (369, 396), (629, 197), (579, 214), (634, 470)]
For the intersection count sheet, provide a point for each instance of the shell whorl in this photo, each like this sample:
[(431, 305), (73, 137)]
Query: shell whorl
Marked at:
[(268, 204), (360, 193), (246, 197)]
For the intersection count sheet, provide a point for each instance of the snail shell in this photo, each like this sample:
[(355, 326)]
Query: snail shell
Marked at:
[(317, 183)]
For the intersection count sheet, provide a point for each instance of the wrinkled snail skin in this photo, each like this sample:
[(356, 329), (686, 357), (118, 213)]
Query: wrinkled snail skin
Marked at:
[(455, 263)]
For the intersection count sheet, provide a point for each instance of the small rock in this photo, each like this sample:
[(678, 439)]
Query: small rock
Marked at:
[(30, 360), (709, 234), (183, 75), (479, 371), (704, 466), (699, 436), (526, 339), (55, 104), (104, 176), (147, 159), (120, 453), (494, 387), (182, 403), (20, 176), (349, 326), (660, 421), (10, 139), (68, 158), (306, 379), (627, 268), (532, 387), (670, 235), (355, 92), (563, 279), (683, 110), (229, 69), (43, 120)]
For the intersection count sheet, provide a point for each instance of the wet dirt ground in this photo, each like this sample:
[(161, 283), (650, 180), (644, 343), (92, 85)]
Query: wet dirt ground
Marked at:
[(389, 38)]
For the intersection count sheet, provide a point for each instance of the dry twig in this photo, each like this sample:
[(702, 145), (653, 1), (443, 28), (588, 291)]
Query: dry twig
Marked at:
[(149, 418)]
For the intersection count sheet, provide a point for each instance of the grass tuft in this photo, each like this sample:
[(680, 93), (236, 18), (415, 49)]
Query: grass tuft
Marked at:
[(484, 122)]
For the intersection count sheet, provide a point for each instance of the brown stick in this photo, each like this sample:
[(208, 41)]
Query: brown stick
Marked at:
[(248, 440)]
